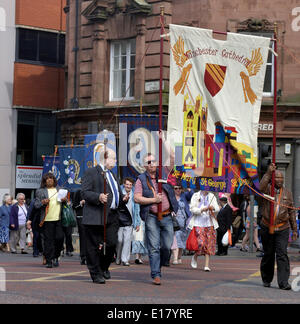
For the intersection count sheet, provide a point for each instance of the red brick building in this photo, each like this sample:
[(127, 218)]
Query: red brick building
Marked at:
[(113, 63), (39, 78)]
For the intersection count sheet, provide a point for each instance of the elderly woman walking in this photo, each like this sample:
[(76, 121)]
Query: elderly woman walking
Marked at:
[(18, 219), (4, 222), (203, 207), (183, 214)]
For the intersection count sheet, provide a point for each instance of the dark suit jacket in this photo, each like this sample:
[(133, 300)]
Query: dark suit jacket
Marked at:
[(225, 218), (91, 188)]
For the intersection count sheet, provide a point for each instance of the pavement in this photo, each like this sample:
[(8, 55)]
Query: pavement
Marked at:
[(234, 279)]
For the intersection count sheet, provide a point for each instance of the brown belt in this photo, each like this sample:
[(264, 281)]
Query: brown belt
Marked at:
[(160, 215)]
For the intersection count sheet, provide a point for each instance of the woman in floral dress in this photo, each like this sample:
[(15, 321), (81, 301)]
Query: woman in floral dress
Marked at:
[(203, 207)]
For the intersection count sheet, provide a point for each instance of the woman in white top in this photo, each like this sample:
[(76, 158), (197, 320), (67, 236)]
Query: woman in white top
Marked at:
[(203, 207)]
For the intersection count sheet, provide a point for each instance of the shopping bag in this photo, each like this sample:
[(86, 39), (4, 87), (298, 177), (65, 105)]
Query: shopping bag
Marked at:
[(192, 243), (29, 237), (227, 239), (67, 216)]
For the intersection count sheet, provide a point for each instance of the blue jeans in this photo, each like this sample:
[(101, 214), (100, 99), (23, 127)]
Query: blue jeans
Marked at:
[(159, 238)]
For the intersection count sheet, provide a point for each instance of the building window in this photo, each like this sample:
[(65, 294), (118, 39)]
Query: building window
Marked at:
[(269, 78), (268, 90), (36, 136), (40, 46), (2, 19), (122, 69)]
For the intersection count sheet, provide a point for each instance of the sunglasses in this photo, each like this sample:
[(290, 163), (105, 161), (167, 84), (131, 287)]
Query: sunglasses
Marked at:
[(177, 188), (150, 162)]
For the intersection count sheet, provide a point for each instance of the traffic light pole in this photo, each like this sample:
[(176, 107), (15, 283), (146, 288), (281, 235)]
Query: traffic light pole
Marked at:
[(271, 228)]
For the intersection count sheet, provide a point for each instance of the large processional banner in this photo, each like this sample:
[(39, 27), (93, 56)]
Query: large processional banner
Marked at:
[(52, 164), (216, 89), (140, 137), (95, 145), (71, 166)]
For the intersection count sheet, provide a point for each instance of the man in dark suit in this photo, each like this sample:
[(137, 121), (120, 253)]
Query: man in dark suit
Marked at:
[(100, 215), (224, 219)]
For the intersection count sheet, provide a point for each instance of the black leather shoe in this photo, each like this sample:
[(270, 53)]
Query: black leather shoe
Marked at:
[(49, 265), (287, 287), (98, 280), (83, 262), (55, 263), (106, 274), (267, 284)]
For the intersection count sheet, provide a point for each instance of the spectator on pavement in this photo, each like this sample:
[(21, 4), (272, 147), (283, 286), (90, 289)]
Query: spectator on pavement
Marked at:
[(18, 219), (255, 229), (224, 220), (4, 222)]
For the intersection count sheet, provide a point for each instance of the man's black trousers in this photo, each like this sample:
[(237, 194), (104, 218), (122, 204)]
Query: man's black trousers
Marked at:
[(275, 246), (97, 261)]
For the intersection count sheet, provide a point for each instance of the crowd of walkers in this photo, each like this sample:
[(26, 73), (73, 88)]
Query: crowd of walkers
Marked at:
[(116, 221)]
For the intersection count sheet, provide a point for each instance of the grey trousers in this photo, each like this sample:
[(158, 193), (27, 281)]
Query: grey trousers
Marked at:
[(18, 236), (124, 244)]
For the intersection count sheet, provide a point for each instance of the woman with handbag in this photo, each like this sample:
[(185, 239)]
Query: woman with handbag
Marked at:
[(17, 224), (203, 224), (180, 236), (50, 207)]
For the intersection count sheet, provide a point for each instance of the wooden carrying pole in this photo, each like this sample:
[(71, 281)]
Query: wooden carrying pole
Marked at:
[(271, 227), (105, 203), (160, 106)]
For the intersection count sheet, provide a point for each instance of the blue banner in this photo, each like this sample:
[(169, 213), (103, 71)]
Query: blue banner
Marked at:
[(51, 164), (94, 147), (140, 136), (71, 166)]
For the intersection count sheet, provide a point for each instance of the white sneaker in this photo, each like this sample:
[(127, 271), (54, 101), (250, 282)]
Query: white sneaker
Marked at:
[(207, 269), (194, 262), (175, 262)]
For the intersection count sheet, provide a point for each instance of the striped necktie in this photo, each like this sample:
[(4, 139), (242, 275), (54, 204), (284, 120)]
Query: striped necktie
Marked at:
[(113, 187)]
